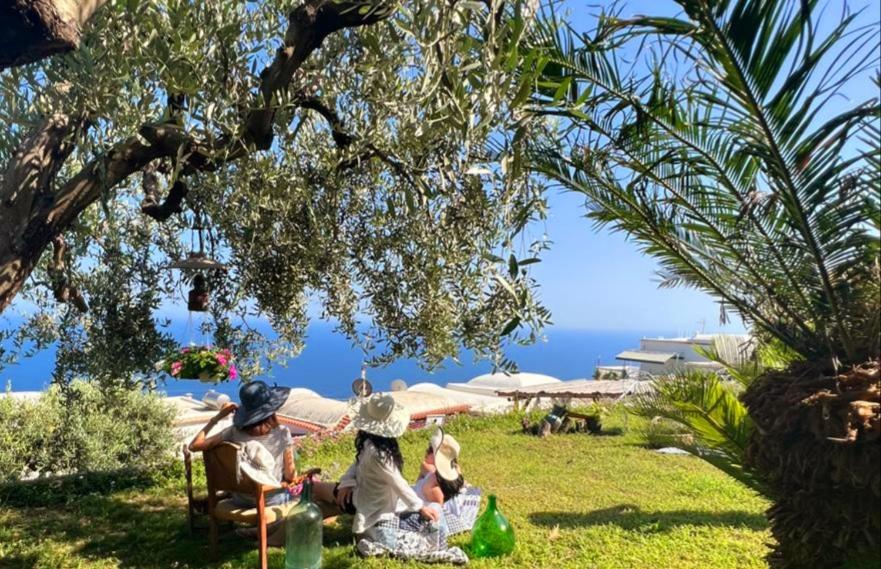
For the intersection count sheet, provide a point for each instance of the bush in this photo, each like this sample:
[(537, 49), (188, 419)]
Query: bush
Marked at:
[(661, 433), (83, 428)]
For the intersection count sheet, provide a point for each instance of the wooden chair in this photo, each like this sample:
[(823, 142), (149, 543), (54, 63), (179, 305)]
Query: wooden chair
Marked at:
[(220, 474)]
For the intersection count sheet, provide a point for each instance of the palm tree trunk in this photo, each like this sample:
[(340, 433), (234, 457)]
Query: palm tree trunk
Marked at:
[(817, 445)]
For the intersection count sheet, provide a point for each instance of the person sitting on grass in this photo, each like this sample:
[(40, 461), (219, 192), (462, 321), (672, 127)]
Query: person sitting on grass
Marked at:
[(255, 420), (440, 477), (389, 517)]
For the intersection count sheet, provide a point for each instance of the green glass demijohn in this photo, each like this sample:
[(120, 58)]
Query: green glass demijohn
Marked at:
[(492, 535), (303, 526)]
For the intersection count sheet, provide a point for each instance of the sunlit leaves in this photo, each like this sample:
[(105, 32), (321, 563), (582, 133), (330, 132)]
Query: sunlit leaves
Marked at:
[(390, 235)]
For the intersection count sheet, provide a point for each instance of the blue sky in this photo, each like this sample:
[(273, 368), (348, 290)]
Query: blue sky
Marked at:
[(598, 280)]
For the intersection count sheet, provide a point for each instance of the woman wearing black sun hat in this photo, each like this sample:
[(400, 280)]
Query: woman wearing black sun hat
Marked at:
[(255, 421)]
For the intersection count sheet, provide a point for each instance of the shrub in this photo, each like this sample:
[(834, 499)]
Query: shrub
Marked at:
[(83, 428), (660, 433)]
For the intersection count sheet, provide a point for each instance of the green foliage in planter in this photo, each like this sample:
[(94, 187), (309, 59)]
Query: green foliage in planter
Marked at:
[(660, 432), (207, 363)]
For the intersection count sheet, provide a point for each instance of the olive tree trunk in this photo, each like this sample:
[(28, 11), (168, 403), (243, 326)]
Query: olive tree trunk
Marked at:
[(33, 29)]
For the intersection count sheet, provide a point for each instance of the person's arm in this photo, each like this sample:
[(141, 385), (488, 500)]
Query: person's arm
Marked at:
[(347, 480), (425, 469), (432, 491), (346, 487), (290, 468), (202, 442), (407, 495), (401, 488)]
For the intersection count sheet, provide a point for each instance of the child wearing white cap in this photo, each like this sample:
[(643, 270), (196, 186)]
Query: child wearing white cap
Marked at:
[(440, 478)]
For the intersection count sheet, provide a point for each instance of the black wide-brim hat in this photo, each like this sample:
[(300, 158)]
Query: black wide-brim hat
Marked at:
[(258, 402)]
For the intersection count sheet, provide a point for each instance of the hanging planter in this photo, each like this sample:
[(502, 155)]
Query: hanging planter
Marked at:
[(205, 364)]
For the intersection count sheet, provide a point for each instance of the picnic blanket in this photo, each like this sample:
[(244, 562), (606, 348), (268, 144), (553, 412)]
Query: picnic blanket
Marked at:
[(461, 512)]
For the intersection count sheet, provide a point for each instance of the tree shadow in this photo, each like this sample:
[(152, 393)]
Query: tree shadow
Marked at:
[(612, 432), (67, 488), (20, 561), (146, 532), (149, 531), (631, 518)]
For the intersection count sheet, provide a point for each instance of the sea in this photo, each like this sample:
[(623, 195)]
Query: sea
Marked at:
[(330, 363)]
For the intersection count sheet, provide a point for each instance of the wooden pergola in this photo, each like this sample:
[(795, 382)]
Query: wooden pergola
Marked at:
[(594, 390)]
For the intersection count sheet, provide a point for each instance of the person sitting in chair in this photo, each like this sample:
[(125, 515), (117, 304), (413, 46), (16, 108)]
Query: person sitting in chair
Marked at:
[(255, 420)]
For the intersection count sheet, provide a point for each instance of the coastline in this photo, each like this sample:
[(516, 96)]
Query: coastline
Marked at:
[(329, 364)]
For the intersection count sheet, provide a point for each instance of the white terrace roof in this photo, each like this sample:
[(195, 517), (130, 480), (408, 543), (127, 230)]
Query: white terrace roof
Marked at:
[(489, 383), (306, 405), (577, 388), (647, 356), (479, 403), (524, 379), (419, 403)]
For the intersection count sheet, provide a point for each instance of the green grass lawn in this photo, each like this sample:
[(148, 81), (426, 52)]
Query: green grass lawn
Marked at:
[(575, 501)]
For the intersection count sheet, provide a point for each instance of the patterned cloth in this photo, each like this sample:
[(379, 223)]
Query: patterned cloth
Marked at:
[(408, 536), (461, 512), (452, 555)]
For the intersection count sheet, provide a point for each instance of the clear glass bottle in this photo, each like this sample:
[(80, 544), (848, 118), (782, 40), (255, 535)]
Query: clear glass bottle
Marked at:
[(492, 535), (303, 526)]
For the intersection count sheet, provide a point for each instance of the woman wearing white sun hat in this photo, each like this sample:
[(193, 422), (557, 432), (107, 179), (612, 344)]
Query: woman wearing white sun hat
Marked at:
[(389, 517)]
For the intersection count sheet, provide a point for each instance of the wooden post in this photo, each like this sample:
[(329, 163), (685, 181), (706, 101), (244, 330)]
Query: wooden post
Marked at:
[(188, 470), (212, 524), (261, 522)]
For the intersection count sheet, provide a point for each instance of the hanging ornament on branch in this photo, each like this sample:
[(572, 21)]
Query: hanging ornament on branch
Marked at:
[(197, 263), (205, 363)]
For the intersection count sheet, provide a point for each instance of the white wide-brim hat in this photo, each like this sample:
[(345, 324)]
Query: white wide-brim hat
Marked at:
[(258, 464), (380, 415), (446, 454)]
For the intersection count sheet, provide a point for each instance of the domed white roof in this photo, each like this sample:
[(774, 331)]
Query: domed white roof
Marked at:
[(306, 405), (301, 393), (426, 387), (514, 380), (480, 403)]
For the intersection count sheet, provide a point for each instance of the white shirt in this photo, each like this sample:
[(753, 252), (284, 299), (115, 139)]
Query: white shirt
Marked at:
[(276, 442), (380, 490)]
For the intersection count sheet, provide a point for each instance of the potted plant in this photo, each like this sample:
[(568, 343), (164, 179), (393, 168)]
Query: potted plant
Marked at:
[(595, 414), (204, 363)]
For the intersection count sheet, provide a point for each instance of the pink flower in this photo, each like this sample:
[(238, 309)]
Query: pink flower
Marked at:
[(176, 367), (221, 359), (185, 351), (233, 372), (226, 352)]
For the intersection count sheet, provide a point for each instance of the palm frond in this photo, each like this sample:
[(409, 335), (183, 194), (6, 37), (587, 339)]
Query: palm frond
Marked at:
[(723, 157), (709, 408)]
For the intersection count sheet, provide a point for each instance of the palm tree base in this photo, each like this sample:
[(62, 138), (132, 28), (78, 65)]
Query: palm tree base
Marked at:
[(817, 446)]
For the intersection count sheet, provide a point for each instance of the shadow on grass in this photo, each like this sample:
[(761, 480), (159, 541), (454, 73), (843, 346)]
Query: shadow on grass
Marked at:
[(612, 432), (631, 518), (143, 532), (20, 561), (68, 488)]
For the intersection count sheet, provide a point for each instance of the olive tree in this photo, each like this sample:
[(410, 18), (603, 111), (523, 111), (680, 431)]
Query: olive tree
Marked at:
[(362, 157)]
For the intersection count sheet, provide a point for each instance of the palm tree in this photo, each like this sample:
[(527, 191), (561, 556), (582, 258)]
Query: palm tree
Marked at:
[(719, 141)]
